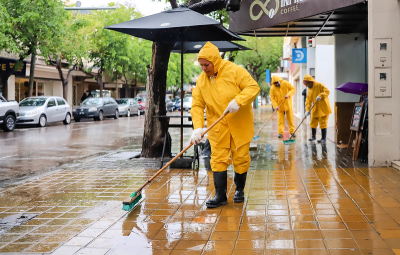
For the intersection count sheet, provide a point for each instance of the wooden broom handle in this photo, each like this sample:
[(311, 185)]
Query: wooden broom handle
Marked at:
[(180, 153), (270, 118)]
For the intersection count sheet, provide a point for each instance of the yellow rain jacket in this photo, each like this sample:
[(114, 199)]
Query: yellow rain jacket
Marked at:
[(323, 107), (214, 94), (278, 94)]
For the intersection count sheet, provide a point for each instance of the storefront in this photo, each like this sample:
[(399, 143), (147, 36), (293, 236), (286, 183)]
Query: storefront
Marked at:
[(345, 55)]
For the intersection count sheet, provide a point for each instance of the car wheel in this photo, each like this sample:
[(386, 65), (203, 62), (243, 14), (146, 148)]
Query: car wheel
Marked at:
[(101, 116), (116, 116), (9, 123), (67, 119), (42, 121), (128, 114), (77, 120)]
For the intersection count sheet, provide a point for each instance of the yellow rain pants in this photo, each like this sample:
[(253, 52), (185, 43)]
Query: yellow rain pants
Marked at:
[(281, 121), (221, 157), (322, 121)]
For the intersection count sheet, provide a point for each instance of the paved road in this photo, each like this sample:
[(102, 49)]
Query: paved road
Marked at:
[(33, 150)]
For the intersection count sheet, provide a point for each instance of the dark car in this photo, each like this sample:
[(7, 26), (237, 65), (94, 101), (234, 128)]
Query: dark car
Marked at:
[(174, 104), (96, 108), (142, 103)]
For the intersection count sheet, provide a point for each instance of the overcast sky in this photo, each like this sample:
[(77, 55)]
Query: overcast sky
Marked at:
[(146, 7)]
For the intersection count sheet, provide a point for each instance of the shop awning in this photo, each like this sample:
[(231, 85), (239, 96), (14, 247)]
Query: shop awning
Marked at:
[(300, 18)]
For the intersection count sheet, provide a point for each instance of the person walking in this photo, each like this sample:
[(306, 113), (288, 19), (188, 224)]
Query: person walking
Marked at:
[(283, 90), (317, 94), (224, 87)]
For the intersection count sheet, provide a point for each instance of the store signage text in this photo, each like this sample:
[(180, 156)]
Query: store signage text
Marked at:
[(281, 7)]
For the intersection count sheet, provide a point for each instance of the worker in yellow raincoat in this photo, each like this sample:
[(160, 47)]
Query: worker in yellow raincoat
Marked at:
[(280, 91), (317, 94), (224, 87)]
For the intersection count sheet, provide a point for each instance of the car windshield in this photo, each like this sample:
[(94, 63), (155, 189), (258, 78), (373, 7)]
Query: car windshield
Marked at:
[(187, 99), (122, 101), (33, 102), (140, 99), (92, 101)]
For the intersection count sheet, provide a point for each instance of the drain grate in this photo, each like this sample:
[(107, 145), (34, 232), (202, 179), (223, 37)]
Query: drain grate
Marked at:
[(11, 221)]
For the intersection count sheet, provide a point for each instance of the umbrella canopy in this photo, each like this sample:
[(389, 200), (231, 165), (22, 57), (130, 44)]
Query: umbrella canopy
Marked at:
[(195, 47), (353, 88), (180, 24)]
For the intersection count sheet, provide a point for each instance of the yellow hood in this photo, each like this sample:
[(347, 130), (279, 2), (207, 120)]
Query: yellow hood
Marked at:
[(211, 53), (276, 78), (308, 77)]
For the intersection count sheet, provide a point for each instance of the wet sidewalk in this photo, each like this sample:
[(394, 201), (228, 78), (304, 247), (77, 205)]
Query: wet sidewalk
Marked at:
[(300, 199)]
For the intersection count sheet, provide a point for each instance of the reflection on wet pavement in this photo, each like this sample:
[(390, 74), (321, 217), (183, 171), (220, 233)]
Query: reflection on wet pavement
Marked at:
[(300, 199)]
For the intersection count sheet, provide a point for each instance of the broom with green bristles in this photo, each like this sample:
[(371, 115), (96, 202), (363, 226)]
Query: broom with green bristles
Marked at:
[(135, 197), (290, 141)]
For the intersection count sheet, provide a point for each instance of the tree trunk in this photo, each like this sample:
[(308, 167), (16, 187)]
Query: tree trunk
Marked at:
[(156, 128), (32, 72), (65, 80), (99, 79)]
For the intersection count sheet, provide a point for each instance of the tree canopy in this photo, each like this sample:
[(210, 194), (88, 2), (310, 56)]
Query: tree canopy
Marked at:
[(32, 26), (265, 54)]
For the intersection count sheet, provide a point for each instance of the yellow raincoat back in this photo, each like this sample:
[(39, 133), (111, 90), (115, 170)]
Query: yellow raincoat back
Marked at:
[(324, 107), (215, 93), (278, 94)]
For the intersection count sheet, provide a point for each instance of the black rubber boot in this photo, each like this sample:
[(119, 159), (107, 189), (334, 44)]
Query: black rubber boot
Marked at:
[(240, 181), (220, 182), (314, 133), (323, 139)]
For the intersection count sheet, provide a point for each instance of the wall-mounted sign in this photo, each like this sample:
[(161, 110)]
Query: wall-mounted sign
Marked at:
[(255, 14), (9, 64), (299, 56)]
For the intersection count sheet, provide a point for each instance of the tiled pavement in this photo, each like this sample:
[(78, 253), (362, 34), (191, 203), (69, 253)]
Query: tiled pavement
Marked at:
[(300, 199)]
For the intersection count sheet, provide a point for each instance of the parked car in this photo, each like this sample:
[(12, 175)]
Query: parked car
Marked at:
[(174, 104), (44, 109), (128, 106), (9, 114), (96, 108), (187, 103), (141, 100)]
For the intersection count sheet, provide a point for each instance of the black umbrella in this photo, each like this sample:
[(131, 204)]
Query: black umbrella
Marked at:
[(195, 47), (178, 25)]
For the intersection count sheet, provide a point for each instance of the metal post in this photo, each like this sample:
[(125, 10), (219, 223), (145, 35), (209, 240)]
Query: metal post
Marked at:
[(182, 94)]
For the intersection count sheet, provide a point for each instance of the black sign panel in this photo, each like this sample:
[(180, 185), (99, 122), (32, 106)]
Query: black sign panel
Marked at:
[(9, 64), (255, 14)]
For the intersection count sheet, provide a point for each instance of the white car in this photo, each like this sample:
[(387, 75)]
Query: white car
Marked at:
[(9, 114), (187, 103), (44, 109)]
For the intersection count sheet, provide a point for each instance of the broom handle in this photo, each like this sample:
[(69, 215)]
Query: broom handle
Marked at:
[(301, 123), (180, 153), (270, 118)]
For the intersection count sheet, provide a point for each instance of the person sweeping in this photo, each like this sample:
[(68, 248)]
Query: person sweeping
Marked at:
[(283, 91), (317, 94), (224, 87)]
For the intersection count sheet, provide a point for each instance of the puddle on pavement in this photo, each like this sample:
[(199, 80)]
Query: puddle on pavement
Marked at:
[(299, 199)]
